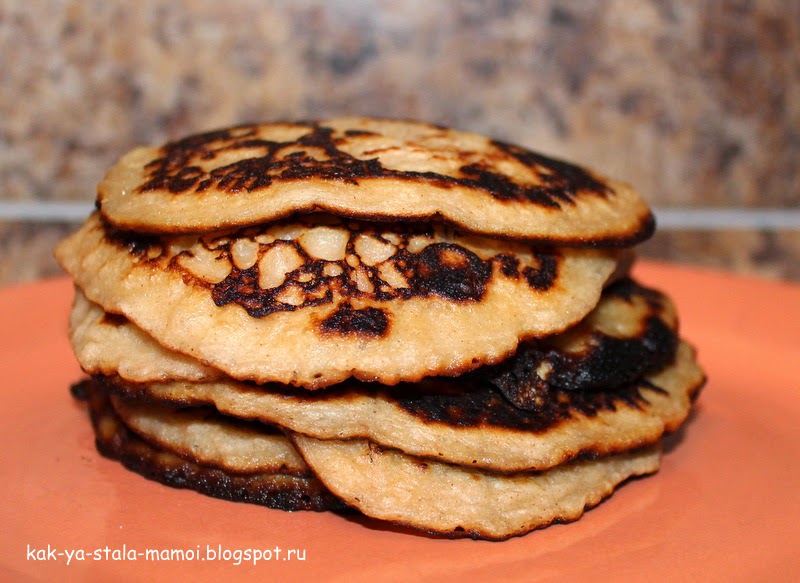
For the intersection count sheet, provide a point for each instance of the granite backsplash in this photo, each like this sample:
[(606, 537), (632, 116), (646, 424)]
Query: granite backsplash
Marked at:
[(695, 103)]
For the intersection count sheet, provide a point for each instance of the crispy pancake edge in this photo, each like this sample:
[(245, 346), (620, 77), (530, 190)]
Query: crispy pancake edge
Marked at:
[(276, 491)]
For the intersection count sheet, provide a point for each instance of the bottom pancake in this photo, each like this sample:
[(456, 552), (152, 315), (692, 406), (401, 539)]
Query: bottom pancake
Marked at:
[(276, 490), (357, 475), (457, 501)]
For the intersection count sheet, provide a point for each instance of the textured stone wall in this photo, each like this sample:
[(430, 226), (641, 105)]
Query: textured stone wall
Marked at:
[(697, 103)]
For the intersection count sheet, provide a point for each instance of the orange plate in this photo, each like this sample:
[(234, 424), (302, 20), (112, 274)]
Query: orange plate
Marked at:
[(724, 506)]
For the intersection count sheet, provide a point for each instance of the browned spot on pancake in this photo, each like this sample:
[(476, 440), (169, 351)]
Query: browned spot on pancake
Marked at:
[(357, 133), (644, 230), (441, 269), (346, 320), (448, 271), (80, 390), (316, 154), (241, 287), (563, 182), (626, 288), (115, 320), (136, 244), (543, 278), (509, 264), (114, 440)]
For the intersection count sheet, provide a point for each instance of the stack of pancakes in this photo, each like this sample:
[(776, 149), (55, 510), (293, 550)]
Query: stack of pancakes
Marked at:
[(430, 327)]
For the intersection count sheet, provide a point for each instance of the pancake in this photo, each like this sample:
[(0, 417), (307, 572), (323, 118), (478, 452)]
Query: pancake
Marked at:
[(461, 502), (271, 489), (370, 169), (632, 331), (314, 303), (421, 324), (202, 435), (472, 426), (107, 344)]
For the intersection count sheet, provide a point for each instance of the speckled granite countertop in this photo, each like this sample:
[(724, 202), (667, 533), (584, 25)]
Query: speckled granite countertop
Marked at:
[(696, 103)]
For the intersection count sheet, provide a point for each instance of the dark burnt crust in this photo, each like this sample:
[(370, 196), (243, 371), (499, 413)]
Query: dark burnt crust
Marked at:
[(280, 492), (608, 364), (111, 319), (209, 413), (462, 403), (443, 270), (348, 321), (479, 405), (136, 243), (429, 273), (448, 271), (543, 278), (175, 170), (563, 182)]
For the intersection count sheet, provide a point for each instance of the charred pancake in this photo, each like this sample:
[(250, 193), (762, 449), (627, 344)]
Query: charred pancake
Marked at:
[(107, 344), (632, 331), (202, 435), (456, 501), (273, 490), (368, 168), (470, 425), (312, 304)]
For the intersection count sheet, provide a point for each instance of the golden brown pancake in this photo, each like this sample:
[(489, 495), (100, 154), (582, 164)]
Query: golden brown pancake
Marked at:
[(107, 344), (312, 304), (472, 426), (631, 331), (274, 490), (457, 501), (619, 352), (425, 325), (376, 169), (202, 435)]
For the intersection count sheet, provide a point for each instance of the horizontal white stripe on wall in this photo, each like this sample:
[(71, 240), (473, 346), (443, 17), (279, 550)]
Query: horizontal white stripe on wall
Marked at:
[(721, 219), (49, 212), (674, 219)]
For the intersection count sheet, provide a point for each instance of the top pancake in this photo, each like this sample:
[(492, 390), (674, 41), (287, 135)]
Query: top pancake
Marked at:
[(376, 169)]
